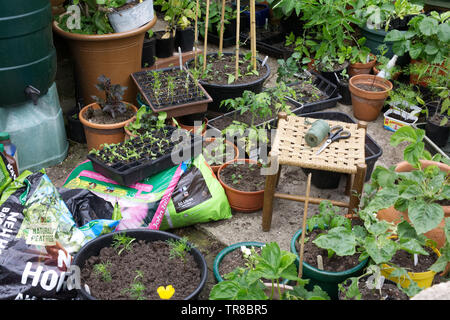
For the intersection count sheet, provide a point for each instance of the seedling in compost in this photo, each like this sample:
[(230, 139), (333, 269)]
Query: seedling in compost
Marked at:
[(179, 248), (102, 269), (121, 242)]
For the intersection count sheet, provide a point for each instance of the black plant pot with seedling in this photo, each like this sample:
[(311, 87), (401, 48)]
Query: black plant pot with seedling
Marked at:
[(164, 47), (148, 51), (184, 39), (331, 75), (433, 130), (75, 130), (344, 91)]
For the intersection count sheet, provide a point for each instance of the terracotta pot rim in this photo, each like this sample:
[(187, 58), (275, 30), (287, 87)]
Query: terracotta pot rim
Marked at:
[(369, 79), (231, 188), (236, 151), (103, 37), (103, 126)]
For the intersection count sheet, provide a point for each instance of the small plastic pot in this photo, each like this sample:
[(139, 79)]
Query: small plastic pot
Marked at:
[(184, 39), (75, 130), (438, 134), (148, 51), (164, 47)]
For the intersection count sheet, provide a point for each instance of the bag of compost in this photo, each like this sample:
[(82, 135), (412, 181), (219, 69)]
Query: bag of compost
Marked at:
[(38, 236), (177, 197), (6, 173)]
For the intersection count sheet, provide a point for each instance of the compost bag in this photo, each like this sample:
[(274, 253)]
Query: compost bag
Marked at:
[(177, 197), (38, 237)]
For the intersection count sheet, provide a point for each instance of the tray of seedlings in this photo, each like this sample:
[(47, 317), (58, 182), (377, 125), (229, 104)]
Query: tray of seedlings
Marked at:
[(173, 90), (145, 155), (313, 93)]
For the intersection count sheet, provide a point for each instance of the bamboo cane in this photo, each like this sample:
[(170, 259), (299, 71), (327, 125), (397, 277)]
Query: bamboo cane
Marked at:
[(196, 34), (305, 215), (253, 32), (238, 26), (205, 45), (222, 25)]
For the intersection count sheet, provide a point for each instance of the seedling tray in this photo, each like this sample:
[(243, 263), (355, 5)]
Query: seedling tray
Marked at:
[(326, 87), (185, 97), (272, 46), (145, 165)]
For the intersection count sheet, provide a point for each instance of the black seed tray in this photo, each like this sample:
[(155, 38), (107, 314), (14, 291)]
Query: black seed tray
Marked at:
[(129, 173), (328, 88)]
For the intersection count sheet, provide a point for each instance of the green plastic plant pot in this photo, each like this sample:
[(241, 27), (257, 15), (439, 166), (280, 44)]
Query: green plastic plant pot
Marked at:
[(327, 280), (229, 249)]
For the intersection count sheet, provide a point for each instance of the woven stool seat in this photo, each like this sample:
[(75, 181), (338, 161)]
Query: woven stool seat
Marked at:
[(340, 156), (346, 156)]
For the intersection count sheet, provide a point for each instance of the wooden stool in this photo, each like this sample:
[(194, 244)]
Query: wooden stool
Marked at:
[(289, 148)]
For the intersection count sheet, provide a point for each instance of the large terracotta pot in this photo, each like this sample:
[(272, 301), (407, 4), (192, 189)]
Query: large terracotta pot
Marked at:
[(242, 201), (395, 216), (97, 134), (414, 78), (367, 105), (115, 55), (362, 68)]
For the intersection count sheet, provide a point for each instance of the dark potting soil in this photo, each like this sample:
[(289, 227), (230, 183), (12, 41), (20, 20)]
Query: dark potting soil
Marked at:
[(215, 153), (99, 117), (128, 5), (333, 264), (233, 260), (174, 87), (406, 260), (399, 117), (219, 68), (243, 177), (389, 291), (306, 92), (148, 263), (368, 87)]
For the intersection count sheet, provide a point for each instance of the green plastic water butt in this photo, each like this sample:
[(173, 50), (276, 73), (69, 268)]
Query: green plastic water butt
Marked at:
[(27, 53), (37, 131)]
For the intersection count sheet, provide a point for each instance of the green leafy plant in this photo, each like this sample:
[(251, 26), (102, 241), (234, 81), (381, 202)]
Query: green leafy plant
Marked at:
[(404, 97), (122, 242), (285, 8), (112, 104), (179, 13), (382, 62), (102, 269), (215, 13), (137, 288), (146, 120), (179, 248), (427, 38), (271, 264)]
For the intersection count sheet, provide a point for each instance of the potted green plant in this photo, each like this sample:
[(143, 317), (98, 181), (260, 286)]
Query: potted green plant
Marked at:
[(149, 49), (104, 120), (427, 41), (403, 109), (361, 59), (95, 47), (272, 264), (128, 15), (338, 242), (144, 120), (217, 151), (416, 189), (103, 260), (382, 64)]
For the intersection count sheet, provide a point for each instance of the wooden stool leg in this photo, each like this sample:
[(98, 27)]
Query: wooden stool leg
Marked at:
[(357, 188), (269, 191), (348, 184), (278, 175)]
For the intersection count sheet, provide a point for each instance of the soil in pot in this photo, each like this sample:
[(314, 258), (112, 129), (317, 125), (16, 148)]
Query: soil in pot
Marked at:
[(306, 92), (233, 260), (333, 264), (96, 115), (406, 260), (147, 263), (389, 291), (401, 118), (218, 67), (368, 87), (243, 177)]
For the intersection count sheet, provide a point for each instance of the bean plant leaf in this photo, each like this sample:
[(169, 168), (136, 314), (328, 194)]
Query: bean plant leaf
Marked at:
[(274, 263), (444, 32), (425, 216), (428, 26), (380, 249), (340, 240)]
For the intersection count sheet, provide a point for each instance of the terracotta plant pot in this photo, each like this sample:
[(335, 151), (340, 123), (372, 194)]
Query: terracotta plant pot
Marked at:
[(193, 129), (391, 215), (97, 134), (414, 78), (236, 153), (362, 68), (242, 201), (367, 105), (115, 55)]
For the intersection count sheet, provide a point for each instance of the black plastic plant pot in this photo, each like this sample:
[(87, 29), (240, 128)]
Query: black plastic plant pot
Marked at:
[(93, 247), (128, 173), (164, 47), (344, 91), (324, 179), (438, 134), (327, 280), (219, 92), (331, 75), (148, 51), (184, 39), (75, 130)]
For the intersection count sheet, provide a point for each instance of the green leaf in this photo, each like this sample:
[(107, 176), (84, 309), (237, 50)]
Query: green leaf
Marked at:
[(413, 153), (444, 32), (394, 35), (381, 250), (424, 216), (340, 240), (416, 50), (428, 26), (405, 133)]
